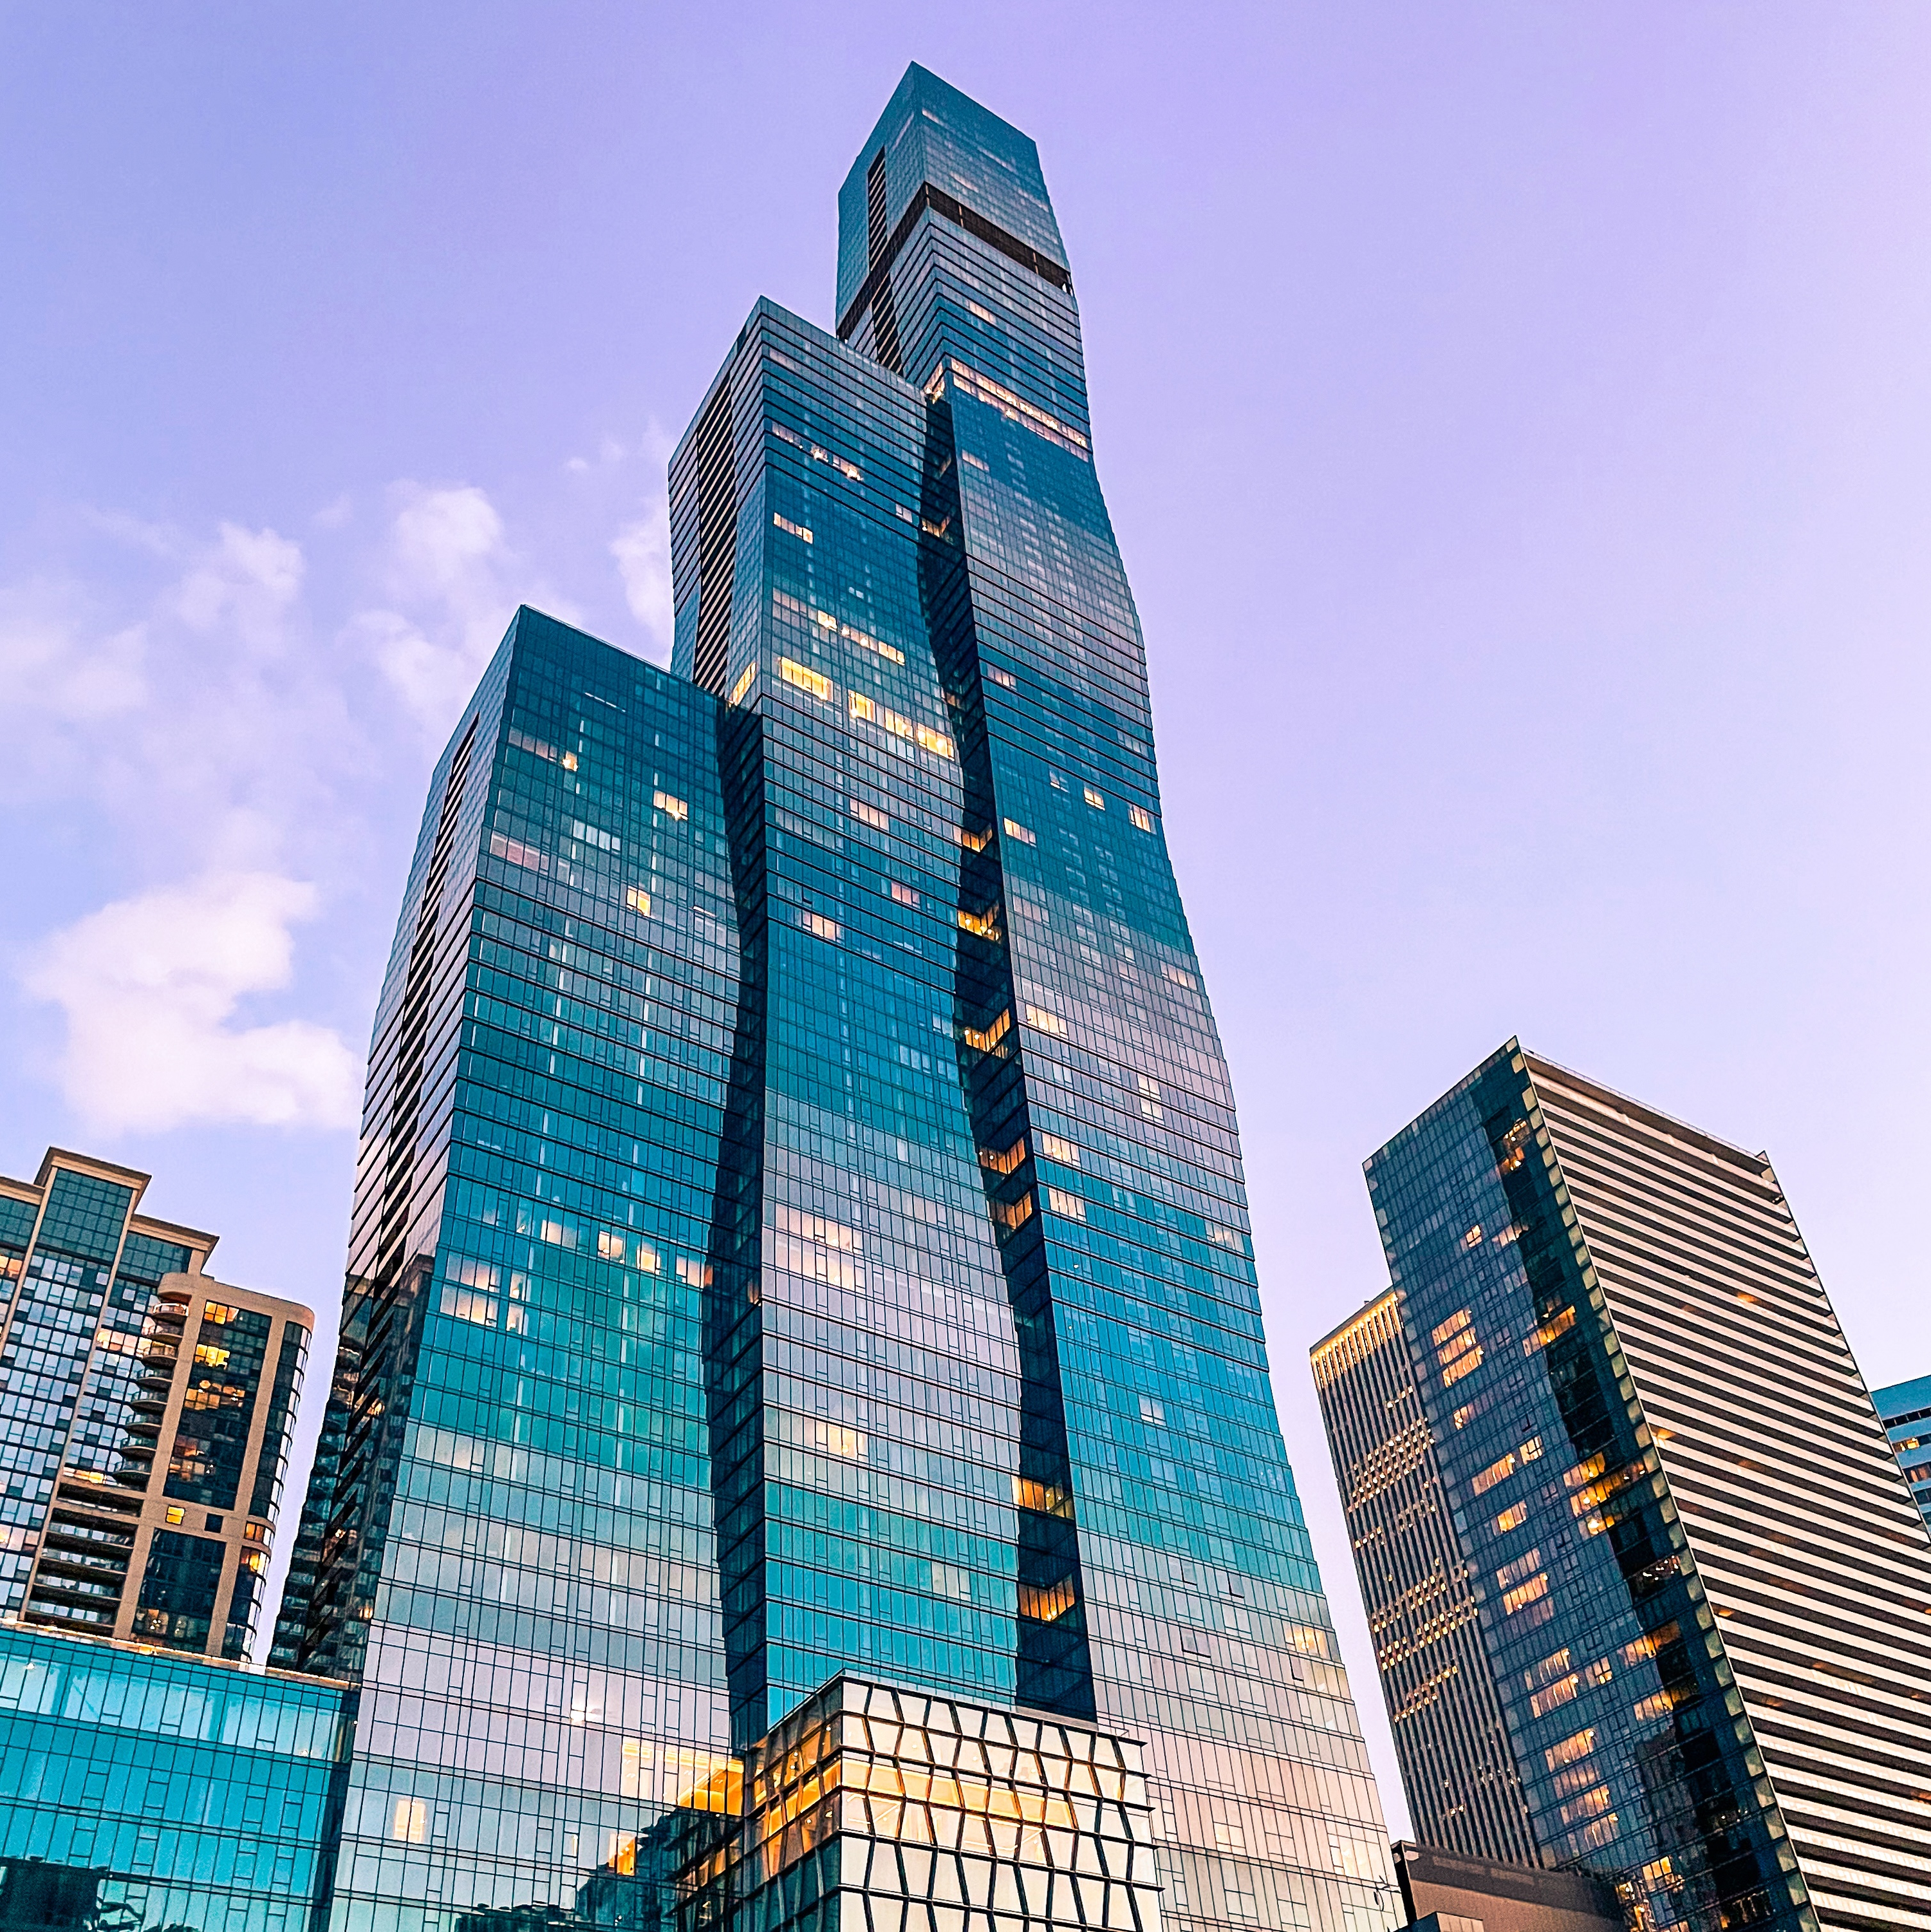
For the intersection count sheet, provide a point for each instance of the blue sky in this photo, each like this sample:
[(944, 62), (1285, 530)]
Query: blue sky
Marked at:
[(1515, 418)]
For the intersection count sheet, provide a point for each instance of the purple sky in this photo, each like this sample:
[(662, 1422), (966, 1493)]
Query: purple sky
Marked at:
[(1516, 419)]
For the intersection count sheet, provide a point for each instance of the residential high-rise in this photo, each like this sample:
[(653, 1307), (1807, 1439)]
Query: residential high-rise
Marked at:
[(1905, 1410), (147, 1415), (1611, 1473), (802, 1342)]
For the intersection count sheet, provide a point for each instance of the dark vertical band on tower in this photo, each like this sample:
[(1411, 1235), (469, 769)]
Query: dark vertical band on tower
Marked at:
[(717, 541), (884, 315)]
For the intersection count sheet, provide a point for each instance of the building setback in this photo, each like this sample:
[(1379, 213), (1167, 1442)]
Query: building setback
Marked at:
[(148, 1408), (800, 1303), (1904, 1408), (1700, 1588)]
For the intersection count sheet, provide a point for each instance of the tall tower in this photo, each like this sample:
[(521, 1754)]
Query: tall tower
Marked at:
[(1611, 1474), (802, 1312)]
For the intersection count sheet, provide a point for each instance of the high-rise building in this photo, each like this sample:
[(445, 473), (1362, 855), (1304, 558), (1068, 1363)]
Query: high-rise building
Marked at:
[(1448, 1892), (800, 1310), (1905, 1410), (1611, 1474), (147, 1414)]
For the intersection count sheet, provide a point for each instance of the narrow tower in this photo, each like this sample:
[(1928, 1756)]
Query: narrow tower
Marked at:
[(801, 1312)]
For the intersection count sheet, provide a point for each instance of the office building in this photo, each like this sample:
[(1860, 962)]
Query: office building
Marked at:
[(146, 1787), (1604, 1420), (1446, 1891), (1904, 1408), (800, 1274), (147, 1412)]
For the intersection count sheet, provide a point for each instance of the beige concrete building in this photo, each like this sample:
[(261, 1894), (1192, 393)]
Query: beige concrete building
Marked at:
[(145, 1413)]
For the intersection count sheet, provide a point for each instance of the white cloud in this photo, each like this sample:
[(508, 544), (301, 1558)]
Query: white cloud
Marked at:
[(445, 559), (642, 552), (247, 582), (51, 670), (151, 986), (643, 548)]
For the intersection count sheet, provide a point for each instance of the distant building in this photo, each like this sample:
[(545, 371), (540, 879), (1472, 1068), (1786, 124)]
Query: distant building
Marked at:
[(1905, 1410), (146, 1410), (1447, 1891), (141, 1788), (1610, 1471)]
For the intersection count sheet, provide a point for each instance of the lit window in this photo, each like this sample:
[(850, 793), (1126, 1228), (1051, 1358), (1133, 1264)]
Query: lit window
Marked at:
[(1151, 1087), (935, 741), (862, 706), (410, 1821), (1014, 830), (638, 901), (1473, 1239), (787, 434), (1180, 977), (1003, 1163), (1003, 677), (823, 928), (1045, 1498), (175, 1514), (255, 1532), (743, 684), (1571, 1749), (1513, 1517), (904, 895), (983, 315), (1070, 1205), (899, 726), (984, 1041), (1053, 1148), (610, 1245), (1045, 1604), (672, 808), (804, 678), (1038, 1017), (1094, 798), (985, 925), (1561, 1692), (1014, 1214), (785, 523), (871, 815), (518, 853), (849, 470), (1497, 1471), (1523, 1594), (863, 639), (820, 455), (1140, 817)]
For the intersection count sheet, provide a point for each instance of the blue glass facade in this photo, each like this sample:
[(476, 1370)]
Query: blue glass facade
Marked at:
[(1905, 1410), (142, 1790), (800, 1226)]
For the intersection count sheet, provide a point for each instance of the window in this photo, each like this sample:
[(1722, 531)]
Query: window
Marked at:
[(935, 741), (1003, 1163), (1002, 677), (1094, 798), (518, 853), (984, 925), (1070, 1205), (743, 684), (985, 1040), (823, 928), (1497, 1471), (638, 901), (1571, 1749), (1053, 1148), (862, 706), (176, 1513), (1181, 977), (1140, 817), (410, 1821), (973, 842), (1014, 1214), (868, 814), (1014, 830), (903, 895), (1038, 1018), (804, 678), (787, 434), (1153, 1412), (1226, 1237), (1561, 1692), (671, 807), (905, 516), (785, 523), (1513, 1517)]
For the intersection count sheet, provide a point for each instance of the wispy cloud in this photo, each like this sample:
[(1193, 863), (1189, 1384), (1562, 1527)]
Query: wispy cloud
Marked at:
[(642, 548), (151, 986)]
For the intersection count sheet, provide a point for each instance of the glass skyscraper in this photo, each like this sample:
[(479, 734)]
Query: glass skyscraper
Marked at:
[(801, 1449), (1905, 1410), (1649, 1597)]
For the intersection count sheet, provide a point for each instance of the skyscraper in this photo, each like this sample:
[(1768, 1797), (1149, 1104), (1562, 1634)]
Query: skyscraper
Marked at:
[(1612, 1474), (802, 1342), (1905, 1410), (147, 1414)]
